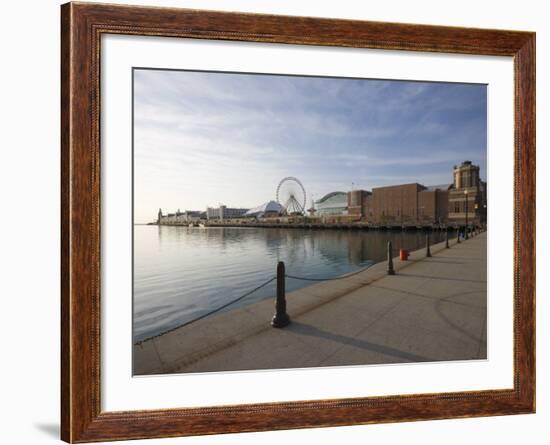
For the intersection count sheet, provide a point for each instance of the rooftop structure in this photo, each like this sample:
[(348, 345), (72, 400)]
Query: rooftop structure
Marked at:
[(270, 208), (334, 203), (223, 212), (180, 217), (467, 195)]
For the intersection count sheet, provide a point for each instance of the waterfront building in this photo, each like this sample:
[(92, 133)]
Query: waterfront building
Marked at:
[(468, 195), (179, 217), (332, 204), (312, 209), (191, 215), (359, 203), (222, 212), (433, 204), (403, 204), (462, 201), (266, 210), (169, 218)]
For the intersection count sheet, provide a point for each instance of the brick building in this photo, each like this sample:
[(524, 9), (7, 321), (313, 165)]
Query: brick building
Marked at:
[(415, 203), (400, 204)]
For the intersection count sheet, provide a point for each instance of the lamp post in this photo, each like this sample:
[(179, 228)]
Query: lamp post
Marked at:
[(466, 205)]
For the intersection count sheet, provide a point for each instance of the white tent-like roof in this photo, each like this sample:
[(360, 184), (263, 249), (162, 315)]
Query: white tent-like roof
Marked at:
[(268, 207)]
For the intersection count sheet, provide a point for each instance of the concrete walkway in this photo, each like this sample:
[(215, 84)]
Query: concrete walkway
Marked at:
[(433, 309)]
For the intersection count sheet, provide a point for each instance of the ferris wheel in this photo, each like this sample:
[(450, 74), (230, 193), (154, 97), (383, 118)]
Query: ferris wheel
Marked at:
[(291, 194)]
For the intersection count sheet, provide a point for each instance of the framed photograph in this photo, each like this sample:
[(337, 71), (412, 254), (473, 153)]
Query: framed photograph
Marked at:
[(274, 222)]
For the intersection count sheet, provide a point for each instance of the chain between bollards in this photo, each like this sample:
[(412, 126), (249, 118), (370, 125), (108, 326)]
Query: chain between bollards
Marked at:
[(281, 318)]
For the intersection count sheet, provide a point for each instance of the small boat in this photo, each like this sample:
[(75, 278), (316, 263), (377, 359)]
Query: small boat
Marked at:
[(202, 226)]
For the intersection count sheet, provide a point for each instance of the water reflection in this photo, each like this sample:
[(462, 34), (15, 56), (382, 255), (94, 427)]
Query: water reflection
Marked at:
[(181, 272)]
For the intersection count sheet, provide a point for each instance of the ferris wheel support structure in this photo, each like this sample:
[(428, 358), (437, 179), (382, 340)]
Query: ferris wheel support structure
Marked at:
[(291, 194)]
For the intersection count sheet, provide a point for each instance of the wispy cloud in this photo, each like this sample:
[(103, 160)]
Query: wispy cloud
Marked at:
[(204, 138)]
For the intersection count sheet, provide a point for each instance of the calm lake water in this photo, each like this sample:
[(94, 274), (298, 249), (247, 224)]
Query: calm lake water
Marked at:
[(181, 272)]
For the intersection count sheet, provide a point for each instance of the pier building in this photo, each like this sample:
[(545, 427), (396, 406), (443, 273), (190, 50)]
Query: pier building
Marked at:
[(359, 202), (401, 204), (464, 201), (468, 195), (266, 210), (222, 212), (335, 203), (179, 217)]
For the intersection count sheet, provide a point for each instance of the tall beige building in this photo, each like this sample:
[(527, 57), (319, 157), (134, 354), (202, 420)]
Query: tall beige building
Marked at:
[(467, 196)]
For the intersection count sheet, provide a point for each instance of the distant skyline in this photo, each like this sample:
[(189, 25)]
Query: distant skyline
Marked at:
[(201, 139)]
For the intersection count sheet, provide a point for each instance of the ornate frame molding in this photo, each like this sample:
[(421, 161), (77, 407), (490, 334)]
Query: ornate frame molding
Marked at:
[(82, 25)]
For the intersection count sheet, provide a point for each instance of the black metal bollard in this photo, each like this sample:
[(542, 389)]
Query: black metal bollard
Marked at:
[(281, 318), (446, 239), (428, 252), (390, 259)]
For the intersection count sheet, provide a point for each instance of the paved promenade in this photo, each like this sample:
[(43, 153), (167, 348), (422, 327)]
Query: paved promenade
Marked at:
[(433, 309)]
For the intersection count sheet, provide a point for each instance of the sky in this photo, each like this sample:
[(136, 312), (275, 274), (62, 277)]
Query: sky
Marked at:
[(204, 138)]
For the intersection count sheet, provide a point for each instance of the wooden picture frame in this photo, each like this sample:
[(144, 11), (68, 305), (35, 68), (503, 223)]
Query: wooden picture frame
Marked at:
[(82, 25)]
